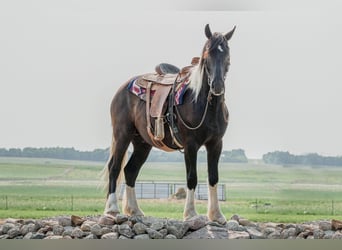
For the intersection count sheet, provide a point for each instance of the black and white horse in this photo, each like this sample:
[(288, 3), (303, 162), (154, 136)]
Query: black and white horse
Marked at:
[(202, 120)]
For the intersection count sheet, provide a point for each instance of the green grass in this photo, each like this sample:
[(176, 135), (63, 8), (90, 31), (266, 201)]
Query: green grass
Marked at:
[(38, 188)]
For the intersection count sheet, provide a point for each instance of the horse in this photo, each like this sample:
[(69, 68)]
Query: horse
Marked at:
[(202, 120)]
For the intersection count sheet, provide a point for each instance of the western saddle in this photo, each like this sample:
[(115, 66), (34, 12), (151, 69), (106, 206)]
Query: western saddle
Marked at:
[(165, 79)]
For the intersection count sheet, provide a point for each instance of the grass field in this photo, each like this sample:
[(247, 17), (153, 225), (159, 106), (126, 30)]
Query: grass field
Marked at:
[(37, 188)]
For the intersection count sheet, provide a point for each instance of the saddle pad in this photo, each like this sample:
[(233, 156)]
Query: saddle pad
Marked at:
[(137, 90)]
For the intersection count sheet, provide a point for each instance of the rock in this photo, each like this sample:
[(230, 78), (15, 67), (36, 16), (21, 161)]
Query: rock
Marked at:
[(255, 234), (123, 237), (31, 227), (196, 222), (238, 235), (328, 234), (85, 227), (76, 220), (290, 232), (139, 228), (170, 237), (177, 228), (236, 217), (65, 221), (180, 194), (115, 228), (163, 232), (4, 237), (324, 225), (268, 230), (197, 227), (246, 223), (67, 231), (54, 237), (106, 220), (336, 224), (125, 230), (45, 229), (112, 236), (96, 229), (208, 232), (232, 225), (38, 236), (274, 235), (77, 233), (154, 234), (6, 227), (49, 233), (91, 237), (120, 218), (318, 234), (28, 236), (143, 237), (57, 230), (337, 235), (14, 232), (157, 225), (14, 221)]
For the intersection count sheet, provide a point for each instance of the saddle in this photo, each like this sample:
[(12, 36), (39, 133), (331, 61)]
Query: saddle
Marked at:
[(166, 77)]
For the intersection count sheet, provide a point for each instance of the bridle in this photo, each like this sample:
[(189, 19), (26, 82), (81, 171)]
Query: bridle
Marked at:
[(212, 46), (208, 101)]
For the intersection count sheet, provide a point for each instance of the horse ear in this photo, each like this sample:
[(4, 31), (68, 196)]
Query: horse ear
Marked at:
[(229, 34), (208, 31)]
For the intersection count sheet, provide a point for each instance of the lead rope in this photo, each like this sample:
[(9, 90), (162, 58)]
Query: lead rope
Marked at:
[(203, 117)]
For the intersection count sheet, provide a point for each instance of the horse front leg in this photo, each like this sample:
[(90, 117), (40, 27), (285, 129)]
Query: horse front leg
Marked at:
[(190, 155), (214, 211)]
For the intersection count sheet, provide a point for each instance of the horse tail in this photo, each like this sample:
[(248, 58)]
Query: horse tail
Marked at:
[(104, 175)]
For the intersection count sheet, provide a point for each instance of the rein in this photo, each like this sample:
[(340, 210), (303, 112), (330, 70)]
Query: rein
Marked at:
[(203, 116), (209, 97)]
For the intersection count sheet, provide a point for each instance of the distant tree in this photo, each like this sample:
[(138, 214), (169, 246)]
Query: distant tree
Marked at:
[(313, 159)]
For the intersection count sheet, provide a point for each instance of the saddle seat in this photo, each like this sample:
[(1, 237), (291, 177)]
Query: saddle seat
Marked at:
[(166, 68), (166, 75)]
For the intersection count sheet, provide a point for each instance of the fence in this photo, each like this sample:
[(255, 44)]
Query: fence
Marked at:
[(161, 190)]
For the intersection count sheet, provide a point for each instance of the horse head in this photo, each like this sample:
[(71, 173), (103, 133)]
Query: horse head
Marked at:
[(216, 59)]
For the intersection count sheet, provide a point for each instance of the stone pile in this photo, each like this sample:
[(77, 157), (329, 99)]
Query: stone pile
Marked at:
[(124, 227)]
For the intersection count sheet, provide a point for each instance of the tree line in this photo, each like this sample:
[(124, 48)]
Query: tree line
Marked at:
[(236, 155), (313, 159)]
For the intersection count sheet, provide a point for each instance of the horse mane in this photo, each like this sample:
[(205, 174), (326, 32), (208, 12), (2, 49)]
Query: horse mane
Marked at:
[(196, 77), (196, 80)]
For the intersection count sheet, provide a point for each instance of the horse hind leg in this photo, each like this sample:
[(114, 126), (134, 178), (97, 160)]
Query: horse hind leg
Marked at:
[(137, 159), (115, 168)]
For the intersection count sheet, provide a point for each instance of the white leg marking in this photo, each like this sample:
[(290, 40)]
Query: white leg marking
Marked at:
[(130, 204), (214, 211), (189, 209), (112, 205)]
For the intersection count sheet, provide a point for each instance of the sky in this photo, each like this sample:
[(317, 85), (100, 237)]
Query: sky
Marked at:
[(61, 63)]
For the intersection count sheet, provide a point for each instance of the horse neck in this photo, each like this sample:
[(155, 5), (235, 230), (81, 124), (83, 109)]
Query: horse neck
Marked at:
[(215, 101)]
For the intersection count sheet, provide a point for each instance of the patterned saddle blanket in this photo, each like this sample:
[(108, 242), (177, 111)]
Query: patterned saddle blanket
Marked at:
[(140, 91)]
